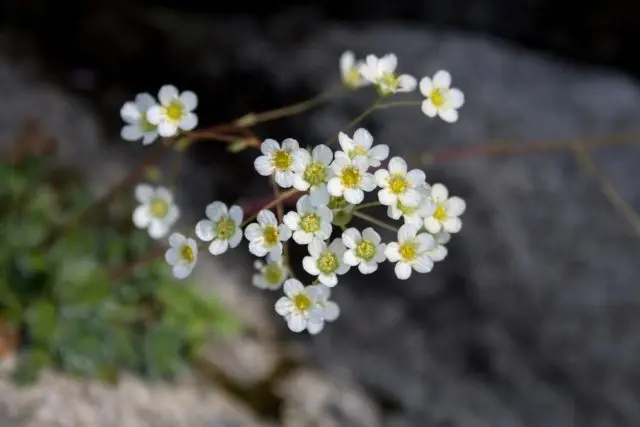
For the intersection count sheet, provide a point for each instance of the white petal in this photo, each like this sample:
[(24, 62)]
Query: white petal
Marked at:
[(371, 235), (299, 183), (141, 217), (439, 193), (300, 160), (429, 109), (189, 122), (426, 241), (157, 229), (455, 206), (368, 267), (268, 146), (189, 100), (426, 86), (432, 225), (304, 206), (284, 232), (283, 306), (347, 60), (363, 138), (407, 83), (325, 230), (177, 239), (257, 248), (292, 220), (410, 197), (452, 225), (131, 132), (391, 252), (351, 237), (407, 232), (292, 287), (368, 182), (380, 253), (167, 129), (354, 196), (449, 116), (345, 142), (236, 239), (361, 162), (387, 198), (393, 212), (218, 246), (403, 270), (263, 165), (302, 237), (381, 176), (323, 154), (397, 165), (315, 328), (167, 94), (337, 246), (350, 258), (236, 214), (144, 101), (378, 153), (252, 232), (172, 256), (296, 322), (442, 79), (423, 264), (155, 114), (331, 311), (130, 112), (442, 238), (334, 187), (319, 195), (216, 210), (329, 280), (276, 251), (416, 177), (316, 248), (290, 144), (284, 179), (266, 217), (456, 98), (438, 253), (149, 137), (144, 193), (259, 282), (182, 271), (388, 63), (309, 265)]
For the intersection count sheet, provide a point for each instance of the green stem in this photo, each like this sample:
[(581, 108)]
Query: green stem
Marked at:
[(374, 221), (368, 205), (409, 103), (355, 121)]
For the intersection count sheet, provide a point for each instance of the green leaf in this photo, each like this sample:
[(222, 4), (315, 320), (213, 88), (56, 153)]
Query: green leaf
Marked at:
[(30, 364), (161, 348), (41, 320)]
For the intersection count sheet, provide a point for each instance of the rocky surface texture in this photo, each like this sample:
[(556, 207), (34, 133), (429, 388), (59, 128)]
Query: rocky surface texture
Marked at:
[(532, 319)]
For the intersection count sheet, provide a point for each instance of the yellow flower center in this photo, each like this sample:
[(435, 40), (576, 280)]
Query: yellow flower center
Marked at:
[(327, 262), (159, 208), (273, 274), (351, 177), (389, 83), (225, 228), (358, 151), (310, 223), (438, 97), (315, 173), (270, 235), (174, 110), (282, 159), (440, 214), (337, 203), (406, 210), (398, 184), (302, 302), (352, 78), (408, 251), (366, 250), (187, 254), (145, 124)]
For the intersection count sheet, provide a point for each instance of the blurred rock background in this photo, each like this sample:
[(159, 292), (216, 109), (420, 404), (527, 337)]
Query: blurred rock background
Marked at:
[(532, 320)]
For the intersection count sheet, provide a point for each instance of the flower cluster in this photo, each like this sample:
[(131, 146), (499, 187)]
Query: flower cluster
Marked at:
[(331, 186)]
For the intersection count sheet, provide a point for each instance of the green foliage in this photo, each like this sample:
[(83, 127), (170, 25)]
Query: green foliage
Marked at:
[(63, 300)]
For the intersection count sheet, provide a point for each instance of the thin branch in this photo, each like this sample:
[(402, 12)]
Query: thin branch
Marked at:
[(374, 221)]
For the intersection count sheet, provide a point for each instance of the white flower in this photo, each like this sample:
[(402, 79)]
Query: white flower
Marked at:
[(300, 306), (309, 222), (182, 255), (313, 173), (414, 214), (360, 145), (174, 112), (351, 178), (135, 115), (439, 252), (270, 275), (381, 72), (222, 228), (399, 185), (330, 310), (326, 262), (441, 100), (283, 161), (448, 209), (349, 73), (410, 251), (365, 250), (267, 236), (157, 212)]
